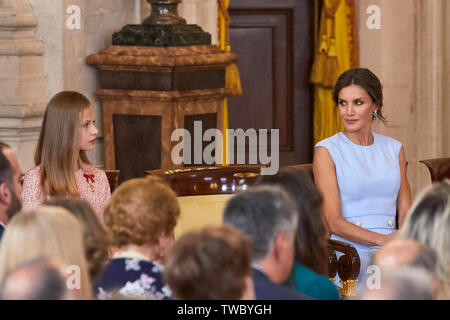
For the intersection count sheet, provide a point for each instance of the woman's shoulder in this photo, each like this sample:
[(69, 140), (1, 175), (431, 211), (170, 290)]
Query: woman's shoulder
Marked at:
[(33, 172), (307, 273), (316, 285), (330, 141), (133, 278), (133, 264), (387, 141)]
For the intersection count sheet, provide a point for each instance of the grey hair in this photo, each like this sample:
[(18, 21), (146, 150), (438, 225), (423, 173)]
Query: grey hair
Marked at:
[(261, 213), (429, 222), (426, 259)]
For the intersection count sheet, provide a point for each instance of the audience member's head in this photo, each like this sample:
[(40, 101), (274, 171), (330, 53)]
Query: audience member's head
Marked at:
[(95, 237), (268, 217), (51, 232), (142, 213), (36, 279), (429, 222), (406, 252), (310, 239), (403, 283), (210, 264), (10, 184)]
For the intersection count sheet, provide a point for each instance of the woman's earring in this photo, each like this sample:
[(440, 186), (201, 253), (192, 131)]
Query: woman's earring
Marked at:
[(375, 115)]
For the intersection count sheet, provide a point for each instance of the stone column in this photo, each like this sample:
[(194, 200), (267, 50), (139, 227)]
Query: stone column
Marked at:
[(446, 115), (410, 54), (431, 106), (22, 81)]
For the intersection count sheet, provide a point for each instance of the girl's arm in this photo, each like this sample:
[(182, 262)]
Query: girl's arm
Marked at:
[(326, 182), (32, 194), (404, 194)]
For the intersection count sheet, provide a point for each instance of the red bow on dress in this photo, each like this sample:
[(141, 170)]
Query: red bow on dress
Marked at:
[(89, 178)]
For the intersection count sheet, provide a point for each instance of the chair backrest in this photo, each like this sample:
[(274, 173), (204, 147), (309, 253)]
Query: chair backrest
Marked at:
[(113, 178), (439, 168)]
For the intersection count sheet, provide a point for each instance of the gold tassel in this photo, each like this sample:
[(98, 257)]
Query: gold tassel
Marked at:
[(332, 70), (318, 68), (233, 80)]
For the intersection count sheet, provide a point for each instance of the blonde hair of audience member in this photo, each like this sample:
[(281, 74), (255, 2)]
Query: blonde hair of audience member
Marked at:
[(429, 223), (141, 216), (95, 237), (211, 264), (45, 232), (56, 149)]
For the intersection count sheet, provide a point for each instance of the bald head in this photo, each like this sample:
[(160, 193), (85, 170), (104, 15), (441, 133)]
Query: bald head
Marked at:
[(403, 283), (398, 252), (406, 252), (36, 279)]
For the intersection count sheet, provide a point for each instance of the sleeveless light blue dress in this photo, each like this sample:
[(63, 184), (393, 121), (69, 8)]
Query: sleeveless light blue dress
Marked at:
[(369, 179)]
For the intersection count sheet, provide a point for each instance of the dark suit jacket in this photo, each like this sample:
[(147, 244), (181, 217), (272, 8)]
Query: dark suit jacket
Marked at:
[(1, 231), (266, 289)]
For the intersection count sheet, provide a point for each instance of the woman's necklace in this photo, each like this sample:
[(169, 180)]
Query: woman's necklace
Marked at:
[(130, 254)]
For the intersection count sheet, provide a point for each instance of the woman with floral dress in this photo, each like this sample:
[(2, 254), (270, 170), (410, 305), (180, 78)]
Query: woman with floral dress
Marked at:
[(140, 219)]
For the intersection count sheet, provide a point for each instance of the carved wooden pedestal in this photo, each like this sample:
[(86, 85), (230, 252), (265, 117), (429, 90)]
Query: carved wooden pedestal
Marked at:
[(148, 92)]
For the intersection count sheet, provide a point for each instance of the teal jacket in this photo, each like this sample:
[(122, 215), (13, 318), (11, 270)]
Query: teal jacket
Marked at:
[(314, 285)]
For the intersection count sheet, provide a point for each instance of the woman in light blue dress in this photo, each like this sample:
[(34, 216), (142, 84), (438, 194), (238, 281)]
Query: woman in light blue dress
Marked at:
[(361, 174)]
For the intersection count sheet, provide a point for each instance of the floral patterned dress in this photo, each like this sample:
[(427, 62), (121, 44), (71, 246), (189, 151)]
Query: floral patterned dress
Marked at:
[(132, 278), (92, 184)]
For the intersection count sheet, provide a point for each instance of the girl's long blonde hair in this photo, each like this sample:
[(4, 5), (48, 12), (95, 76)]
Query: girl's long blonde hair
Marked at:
[(55, 150), (45, 232)]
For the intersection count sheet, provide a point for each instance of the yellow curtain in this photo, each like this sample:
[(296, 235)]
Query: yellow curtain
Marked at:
[(337, 51), (233, 81)]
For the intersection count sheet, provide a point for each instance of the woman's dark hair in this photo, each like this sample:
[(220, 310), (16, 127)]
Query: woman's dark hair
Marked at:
[(311, 248), (95, 237), (367, 80)]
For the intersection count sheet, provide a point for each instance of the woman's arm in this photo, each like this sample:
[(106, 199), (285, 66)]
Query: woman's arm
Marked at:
[(103, 195), (404, 194), (326, 182)]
